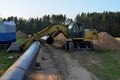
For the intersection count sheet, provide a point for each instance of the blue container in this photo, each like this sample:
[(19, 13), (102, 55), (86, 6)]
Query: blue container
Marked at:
[(7, 32)]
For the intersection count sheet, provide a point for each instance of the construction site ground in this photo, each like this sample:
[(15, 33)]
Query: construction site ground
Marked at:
[(57, 64)]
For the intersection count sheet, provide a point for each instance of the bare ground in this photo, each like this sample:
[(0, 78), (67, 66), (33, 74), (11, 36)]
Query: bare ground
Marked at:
[(58, 65)]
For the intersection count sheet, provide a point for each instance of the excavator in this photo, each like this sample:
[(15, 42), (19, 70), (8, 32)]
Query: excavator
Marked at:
[(76, 36)]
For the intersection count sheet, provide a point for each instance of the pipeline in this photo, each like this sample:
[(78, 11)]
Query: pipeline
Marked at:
[(20, 70), (49, 40)]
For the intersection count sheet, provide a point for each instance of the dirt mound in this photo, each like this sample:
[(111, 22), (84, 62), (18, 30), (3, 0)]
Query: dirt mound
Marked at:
[(59, 40), (20, 34), (106, 42)]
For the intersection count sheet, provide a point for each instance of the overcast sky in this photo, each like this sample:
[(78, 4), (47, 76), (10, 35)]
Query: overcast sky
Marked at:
[(38, 8)]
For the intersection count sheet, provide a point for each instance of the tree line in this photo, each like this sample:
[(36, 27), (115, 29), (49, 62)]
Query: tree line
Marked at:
[(103, 22)]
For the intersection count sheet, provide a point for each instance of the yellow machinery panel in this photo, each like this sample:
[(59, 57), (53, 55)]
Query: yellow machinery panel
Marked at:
[(91, 34)]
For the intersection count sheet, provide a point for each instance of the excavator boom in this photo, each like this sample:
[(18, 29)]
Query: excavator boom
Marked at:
[(44, 32)]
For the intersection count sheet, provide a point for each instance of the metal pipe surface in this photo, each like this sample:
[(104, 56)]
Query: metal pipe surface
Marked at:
[(21, 68)]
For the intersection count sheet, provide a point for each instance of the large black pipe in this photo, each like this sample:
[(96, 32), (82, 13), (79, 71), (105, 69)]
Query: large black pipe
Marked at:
[(21, 68), (49, 40)]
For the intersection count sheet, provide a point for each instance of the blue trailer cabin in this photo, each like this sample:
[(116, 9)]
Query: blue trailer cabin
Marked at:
[(7, 32)]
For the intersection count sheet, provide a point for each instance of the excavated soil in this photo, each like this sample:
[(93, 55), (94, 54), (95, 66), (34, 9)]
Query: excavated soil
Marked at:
[(20, 34), (106, 42), (59, 40)]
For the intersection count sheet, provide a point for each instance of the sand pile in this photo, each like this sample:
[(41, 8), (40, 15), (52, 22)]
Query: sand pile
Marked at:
[(59, 40), (106, 42), (20, 34)]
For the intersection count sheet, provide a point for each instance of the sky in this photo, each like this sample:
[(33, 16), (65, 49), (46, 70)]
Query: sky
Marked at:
[(38, 8)]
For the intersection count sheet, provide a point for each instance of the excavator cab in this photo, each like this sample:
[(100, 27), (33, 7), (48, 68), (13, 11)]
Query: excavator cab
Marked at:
[(76, 31), (76, 35)]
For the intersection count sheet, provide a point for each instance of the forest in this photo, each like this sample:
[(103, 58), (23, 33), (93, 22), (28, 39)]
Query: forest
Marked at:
[(104, 22)]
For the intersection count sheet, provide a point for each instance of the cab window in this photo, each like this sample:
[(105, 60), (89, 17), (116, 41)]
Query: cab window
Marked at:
[(76, 28)]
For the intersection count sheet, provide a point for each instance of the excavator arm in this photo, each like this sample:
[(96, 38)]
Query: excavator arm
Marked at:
[(44, 32)]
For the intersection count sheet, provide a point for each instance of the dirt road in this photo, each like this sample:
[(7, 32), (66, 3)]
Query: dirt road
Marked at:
[(58, 65)]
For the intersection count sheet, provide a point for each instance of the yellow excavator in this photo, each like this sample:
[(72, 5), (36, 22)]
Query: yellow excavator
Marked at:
[(76, 34)]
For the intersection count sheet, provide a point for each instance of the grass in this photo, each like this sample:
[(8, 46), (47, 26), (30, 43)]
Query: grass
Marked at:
[(5, 63), (20, 41), (104, 64)]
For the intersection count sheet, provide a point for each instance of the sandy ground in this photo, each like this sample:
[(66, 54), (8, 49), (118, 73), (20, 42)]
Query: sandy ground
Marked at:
[(58, 65)]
